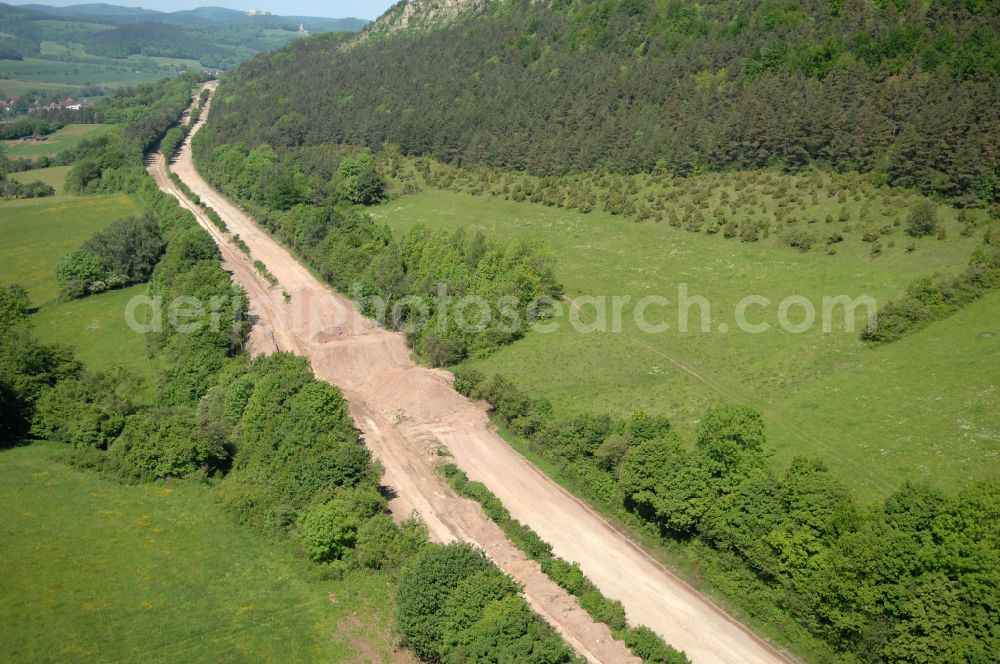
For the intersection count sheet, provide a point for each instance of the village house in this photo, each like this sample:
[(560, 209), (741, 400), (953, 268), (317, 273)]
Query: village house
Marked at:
[(8, 104)]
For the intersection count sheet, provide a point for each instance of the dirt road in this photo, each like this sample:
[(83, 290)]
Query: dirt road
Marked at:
[(407, 413)]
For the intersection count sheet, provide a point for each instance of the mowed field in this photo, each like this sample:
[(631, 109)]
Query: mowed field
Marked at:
[(876, 416), (38, 233), (100, 571), (64, 139)]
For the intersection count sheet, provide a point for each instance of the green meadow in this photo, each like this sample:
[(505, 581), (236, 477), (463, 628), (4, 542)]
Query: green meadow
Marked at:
[(54, 176), (100, 571), (64, 139), (11, 88), (76, 73), (95, 327), (40, 231), (872, 415)]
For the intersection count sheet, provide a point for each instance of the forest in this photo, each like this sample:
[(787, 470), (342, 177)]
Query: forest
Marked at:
[(902, 90)]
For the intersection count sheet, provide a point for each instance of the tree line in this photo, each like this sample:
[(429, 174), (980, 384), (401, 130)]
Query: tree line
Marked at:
[(14, 189), (911, 578), (28, 126), (928, 299), (904, 90), (142, 116), (642, 641), (310, 204)]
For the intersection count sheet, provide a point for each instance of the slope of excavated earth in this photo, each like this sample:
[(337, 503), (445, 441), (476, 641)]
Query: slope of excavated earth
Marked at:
[(408, 412)]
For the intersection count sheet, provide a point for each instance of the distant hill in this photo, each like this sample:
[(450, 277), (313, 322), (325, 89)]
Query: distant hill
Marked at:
[(214, 36), (905, 90), (97, 13), (207, 15)]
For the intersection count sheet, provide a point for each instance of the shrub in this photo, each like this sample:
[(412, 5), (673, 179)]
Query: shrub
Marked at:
[(424, 588), (381, 544), (329, 531), (89, 411), (172, 141), (156, 445), (468, 382), (567, 575), (358, 182), (80, 273), (648, 645), (491, 504), (608, 611), (801, 241), (923, 220), (528, 541)]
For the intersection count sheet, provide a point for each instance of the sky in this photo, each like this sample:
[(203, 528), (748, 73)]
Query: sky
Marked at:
[(367, 9)]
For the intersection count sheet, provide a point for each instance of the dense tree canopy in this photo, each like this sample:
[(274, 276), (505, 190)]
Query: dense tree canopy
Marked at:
[(455, 605), (913, 578), (122, 254), (903, 89), (28, 368)]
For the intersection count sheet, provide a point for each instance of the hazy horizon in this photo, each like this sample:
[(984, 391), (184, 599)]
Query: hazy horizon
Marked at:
[(335, 9)]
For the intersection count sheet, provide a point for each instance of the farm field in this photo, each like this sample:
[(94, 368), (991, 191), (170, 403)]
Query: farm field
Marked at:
[(176, 63), (63, 139), (11, 88), (55, 176), (77, 73), (786, 375), (103, 571), (40, 231)]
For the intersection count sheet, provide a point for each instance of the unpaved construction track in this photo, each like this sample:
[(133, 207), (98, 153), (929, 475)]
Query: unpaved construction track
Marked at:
[(407, 413)]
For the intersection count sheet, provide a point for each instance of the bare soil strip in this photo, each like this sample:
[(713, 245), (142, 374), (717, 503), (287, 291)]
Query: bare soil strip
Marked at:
[(408, 413)]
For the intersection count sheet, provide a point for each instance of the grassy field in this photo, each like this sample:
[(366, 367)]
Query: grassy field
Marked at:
[(925, 407), (11, 88), (67, 137), (99, 571), (95, 327), (77, 73), (54, 176), (175, 63), (791, 377), (40, 231)]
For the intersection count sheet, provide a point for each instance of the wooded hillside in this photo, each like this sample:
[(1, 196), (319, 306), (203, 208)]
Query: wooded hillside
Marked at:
[(902, 89)]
